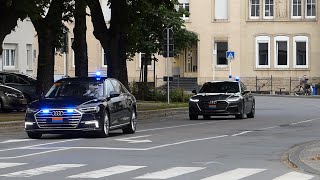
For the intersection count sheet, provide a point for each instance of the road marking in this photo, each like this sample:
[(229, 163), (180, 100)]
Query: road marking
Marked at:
[(208, 162), (43, 170), (187, 141), (272, 127), (16, 140), (171, 127), (170, 173), (24, 147), (302, 122), (294, 176), (107, 172), (235, 174), (6, 165), (242, 133), (33, 154), (88, 148), (133, 139)]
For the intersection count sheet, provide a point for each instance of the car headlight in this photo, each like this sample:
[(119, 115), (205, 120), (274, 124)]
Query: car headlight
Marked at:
[(12, 94), (32, 110), (234, 99), (194, 100), (94, 109)]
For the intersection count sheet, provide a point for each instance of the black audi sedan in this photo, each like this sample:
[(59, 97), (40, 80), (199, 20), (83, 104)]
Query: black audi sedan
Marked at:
[(222, 98), (11, 99), (93, 104)]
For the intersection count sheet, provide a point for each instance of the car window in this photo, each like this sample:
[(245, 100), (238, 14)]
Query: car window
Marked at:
[(117, 86), (1, 79), (109, 87), (14, 80), (220, 87), (243, 87)]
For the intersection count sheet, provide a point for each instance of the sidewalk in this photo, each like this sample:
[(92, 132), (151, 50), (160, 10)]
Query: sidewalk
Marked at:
[(306, 157)]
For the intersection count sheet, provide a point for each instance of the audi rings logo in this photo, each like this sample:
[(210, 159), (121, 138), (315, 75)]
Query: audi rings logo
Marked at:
[(57, 113)]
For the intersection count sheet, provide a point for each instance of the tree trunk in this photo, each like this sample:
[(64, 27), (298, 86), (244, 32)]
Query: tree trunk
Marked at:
[(45, 71), (80, 42)]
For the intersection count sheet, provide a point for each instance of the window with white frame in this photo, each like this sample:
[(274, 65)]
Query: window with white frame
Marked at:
[(184, 5), (268, 9), (281, 44), (9, 55), (103, 58), (254, 8), (296, 8), (29, 56), (142, 57), (310, 8), (262, 52), (300, 52), (221, 9), (222, 48)]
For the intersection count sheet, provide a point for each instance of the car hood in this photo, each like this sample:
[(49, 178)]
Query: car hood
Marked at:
[(62, 102), (214, 96)]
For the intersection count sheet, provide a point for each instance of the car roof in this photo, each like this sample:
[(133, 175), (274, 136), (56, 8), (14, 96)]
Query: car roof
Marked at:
[(83, 79), (17, 74), (214, 81)]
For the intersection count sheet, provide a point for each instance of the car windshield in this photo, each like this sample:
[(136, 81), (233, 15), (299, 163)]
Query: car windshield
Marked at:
[(76, 89), (220, 87)]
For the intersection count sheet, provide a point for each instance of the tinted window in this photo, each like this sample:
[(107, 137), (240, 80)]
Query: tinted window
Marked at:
[(117, 86), (14, 79), (109, 87), (220, 87), (76, 89)]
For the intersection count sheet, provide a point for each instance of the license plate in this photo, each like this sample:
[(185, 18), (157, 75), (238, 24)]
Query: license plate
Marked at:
[(212, 106), (57, 120)]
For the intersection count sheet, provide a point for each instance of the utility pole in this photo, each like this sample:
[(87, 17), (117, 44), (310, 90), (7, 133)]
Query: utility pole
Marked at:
[(168, 52)]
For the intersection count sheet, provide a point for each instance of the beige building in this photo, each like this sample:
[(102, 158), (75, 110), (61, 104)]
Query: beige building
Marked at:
[(270, 38)]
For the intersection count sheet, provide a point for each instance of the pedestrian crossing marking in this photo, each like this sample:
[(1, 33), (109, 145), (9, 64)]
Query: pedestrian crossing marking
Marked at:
[(107, 172), (7, 165), (42, 170), (235, 174), (294, 176), (170, 173)]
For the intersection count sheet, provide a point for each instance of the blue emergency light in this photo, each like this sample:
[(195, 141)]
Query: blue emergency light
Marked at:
[(45, 111), (237, 78), (98, 75)]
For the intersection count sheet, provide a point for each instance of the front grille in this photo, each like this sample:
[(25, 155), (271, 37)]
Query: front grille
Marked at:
[(220, 105), (58, 118)]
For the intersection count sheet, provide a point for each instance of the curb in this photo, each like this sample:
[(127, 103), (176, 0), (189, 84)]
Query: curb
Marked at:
[(142, 115), (288, 96), (294, 158)]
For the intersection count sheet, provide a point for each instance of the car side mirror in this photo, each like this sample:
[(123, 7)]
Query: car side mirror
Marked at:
[(114, 94), (246, 92), (194, 91)]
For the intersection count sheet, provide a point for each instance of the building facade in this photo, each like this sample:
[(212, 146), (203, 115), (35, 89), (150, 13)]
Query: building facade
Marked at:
[(18, 49), (272, 39)]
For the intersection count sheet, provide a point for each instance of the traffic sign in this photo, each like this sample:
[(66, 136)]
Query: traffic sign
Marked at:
[(230, 55)]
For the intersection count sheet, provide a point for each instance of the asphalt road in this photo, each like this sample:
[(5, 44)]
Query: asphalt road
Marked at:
[(174, 148)]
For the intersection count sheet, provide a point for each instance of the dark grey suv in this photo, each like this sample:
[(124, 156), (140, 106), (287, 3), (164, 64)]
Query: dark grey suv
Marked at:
[(11, 99), (22, 82)]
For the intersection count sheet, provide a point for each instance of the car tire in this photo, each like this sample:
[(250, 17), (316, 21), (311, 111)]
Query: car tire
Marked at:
[(131, 128), (241, 115), (206, 116), (193, 117), (105, 126), (253, 111), (34, 135)]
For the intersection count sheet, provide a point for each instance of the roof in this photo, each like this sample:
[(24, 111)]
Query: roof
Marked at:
[(213, 81), (76, 79)]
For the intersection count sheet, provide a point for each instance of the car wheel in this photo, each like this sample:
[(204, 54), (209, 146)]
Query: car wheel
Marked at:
[(206, 116), (131, 128), (241, 115), (105, 126), (34, 135), (193, 116), (253, 111)]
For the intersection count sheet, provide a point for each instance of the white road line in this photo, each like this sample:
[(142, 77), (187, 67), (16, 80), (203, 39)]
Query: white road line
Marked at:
[(7, 165), (272, 127), (134, 139), (33, 154), (242, 133), (43, 170), (187, 141), (294, 176), (16, 140), (235, 174), (24, 147), (170, 173), (107, 172), (87, 148), (171, 127), (302, 122)]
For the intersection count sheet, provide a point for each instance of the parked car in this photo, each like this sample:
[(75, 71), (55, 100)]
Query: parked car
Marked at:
[(26, 84), (222, 98), (11, 99), (95, 105)]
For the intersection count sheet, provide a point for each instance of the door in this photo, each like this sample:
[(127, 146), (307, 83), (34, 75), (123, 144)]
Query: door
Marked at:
[(124, 110), (113, 104)]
